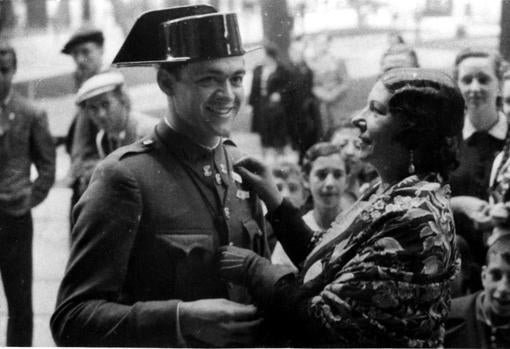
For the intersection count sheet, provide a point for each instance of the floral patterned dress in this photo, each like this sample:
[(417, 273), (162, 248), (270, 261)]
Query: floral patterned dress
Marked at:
[(384, 272)]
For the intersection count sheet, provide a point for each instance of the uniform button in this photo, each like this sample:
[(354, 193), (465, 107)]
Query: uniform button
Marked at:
[(227, 212), (218, 178)]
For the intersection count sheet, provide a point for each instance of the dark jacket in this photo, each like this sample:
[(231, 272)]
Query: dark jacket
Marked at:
[(145, 236), (24, 140), (463, 330)]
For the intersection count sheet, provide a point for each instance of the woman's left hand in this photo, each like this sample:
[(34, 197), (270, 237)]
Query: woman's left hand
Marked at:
[(233, 262)]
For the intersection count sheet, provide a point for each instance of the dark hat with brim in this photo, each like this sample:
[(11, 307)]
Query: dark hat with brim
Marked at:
[(85, 34), (181, 34)]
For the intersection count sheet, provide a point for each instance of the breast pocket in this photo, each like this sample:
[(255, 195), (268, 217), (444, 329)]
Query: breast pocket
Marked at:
[(193, 263)]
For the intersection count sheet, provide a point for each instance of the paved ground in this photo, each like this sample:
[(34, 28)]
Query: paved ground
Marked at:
[(51, 218)]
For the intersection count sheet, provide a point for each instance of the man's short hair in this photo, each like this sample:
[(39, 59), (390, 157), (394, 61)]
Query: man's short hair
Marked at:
[(500, 246), (5, 50)]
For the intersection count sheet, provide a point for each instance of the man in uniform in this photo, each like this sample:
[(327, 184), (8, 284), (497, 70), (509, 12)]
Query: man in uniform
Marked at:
[(142, 268), (25, 140)]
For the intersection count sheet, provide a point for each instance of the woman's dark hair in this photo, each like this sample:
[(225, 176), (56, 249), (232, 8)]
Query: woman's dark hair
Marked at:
[(430, 107), (315, 151), (497, 60)]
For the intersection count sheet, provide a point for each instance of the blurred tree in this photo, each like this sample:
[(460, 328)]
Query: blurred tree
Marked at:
[(126, 12), (277, 24), (62, 17), (37, 14), (363, 8), (504, 39), (7, 17), (86, 12)]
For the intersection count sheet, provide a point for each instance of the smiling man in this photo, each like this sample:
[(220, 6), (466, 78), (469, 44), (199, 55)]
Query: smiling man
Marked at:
[(142, 267)]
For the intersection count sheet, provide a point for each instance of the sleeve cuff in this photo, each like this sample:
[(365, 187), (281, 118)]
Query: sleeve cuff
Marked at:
[(181, 342)]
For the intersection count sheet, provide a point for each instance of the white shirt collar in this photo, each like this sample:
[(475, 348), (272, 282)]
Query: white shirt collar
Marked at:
[(499, 130)]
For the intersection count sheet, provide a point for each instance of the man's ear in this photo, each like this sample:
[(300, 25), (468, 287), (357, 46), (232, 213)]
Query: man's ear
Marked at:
[(166, 81), (484, 275)]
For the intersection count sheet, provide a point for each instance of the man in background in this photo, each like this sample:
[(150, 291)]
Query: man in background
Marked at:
[(25, 140)]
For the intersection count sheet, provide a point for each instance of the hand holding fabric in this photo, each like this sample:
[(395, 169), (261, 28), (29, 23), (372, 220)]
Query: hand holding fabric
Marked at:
[(244, 267), (260, 179)]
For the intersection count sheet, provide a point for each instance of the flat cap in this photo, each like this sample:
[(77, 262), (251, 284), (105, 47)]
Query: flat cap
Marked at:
[(82, 35), (98, 84)]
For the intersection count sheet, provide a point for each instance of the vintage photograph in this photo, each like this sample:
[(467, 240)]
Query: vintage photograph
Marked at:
[(255, 173)]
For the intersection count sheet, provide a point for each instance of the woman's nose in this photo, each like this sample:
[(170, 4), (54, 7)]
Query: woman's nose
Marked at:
[(359, 121)]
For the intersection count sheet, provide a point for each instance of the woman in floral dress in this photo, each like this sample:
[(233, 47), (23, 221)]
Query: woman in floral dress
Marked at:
[(380, 276)]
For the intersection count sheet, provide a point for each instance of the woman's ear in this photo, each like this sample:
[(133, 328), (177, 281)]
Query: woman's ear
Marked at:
[(166, 81)]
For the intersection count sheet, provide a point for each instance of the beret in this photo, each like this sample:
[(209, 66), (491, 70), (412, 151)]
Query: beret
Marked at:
[(82, 35), (98, 84)]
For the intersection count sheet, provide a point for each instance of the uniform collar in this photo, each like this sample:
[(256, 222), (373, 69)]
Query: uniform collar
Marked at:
[(498, 131), (182, 145)]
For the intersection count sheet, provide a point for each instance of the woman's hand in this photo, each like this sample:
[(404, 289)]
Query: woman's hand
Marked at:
[(260, 179), (233, 263), (477, 210), (500, 213)]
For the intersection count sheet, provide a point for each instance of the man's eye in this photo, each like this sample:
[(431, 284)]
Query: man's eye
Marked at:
[(338, 174), (279, 186), (496, 275), (484, 80), (321, 175), (293, 188), (208, 80), (467, 79), (237, 81)]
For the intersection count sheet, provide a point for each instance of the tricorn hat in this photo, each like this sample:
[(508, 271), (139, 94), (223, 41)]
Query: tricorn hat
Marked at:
[(180, 34), (82, 35)]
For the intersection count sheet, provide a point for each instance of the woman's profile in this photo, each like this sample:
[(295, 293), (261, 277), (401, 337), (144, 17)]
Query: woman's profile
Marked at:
[(380, 275)]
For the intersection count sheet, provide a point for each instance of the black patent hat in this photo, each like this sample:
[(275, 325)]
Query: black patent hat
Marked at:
[(181, 34)]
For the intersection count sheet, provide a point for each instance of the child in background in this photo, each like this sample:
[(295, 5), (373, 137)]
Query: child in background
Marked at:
[(482, 319), (325, 177)]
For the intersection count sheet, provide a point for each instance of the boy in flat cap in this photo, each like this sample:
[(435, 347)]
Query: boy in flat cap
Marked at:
[(142, 269), (25, 140), (86, 48), (104, 100)]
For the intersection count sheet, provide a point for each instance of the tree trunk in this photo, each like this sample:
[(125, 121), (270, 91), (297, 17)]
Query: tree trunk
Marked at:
[(504, 39), (37, 15), (277, 24), (86, 13), (7, 18)]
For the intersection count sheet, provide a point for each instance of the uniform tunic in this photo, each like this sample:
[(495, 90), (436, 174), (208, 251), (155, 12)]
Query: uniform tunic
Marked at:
[(146, 233)]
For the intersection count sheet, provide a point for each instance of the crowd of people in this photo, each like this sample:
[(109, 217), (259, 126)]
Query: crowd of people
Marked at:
[(391, 228)]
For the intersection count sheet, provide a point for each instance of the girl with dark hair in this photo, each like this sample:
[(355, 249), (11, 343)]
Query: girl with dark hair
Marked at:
[(379, 277), (479, 76), (325, 174)]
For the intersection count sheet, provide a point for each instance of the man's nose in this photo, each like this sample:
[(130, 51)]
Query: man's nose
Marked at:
[(474, 85), (227, 90)]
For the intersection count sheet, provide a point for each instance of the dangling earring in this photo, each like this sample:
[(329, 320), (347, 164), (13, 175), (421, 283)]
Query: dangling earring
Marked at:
[(411, 167)]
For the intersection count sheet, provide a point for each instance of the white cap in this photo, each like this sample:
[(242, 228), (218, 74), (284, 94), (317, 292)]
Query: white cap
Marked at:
[(98, 84)]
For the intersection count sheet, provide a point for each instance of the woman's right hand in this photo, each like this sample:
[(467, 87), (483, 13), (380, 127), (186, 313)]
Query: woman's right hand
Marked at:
[(258, 176)]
